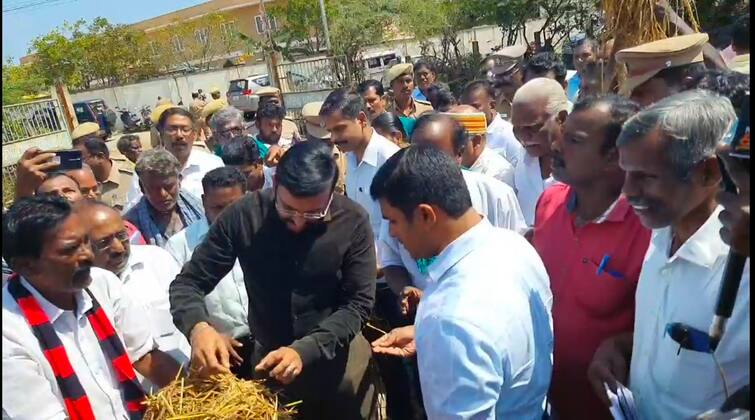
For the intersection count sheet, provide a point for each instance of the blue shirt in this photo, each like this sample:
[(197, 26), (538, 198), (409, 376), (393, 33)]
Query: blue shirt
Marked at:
[(484, 332), (417, 94), (572, 88)]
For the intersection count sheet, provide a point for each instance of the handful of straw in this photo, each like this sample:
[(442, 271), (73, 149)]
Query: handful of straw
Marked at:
[(218, 397)]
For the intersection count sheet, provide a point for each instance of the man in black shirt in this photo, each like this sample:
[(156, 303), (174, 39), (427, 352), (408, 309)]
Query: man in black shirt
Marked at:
[(308, 258)]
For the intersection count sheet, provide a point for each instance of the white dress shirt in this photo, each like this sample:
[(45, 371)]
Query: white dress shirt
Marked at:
[(147, 277), (502, 140), (198, 164), (490, 198), (228, 304), (29, 387), (378, 150), (529, 185), (484, 332), (495, 165), (684, 288)]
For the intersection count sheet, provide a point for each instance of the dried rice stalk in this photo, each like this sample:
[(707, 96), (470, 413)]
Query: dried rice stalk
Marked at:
[(219, 397)]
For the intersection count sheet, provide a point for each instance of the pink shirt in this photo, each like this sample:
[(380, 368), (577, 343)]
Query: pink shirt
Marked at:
[(590, 304)]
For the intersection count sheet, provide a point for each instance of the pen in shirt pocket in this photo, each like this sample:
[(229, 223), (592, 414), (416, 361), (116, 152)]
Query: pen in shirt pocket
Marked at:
[(603, 267)]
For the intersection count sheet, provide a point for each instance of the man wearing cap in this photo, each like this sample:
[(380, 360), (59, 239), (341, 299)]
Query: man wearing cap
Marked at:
[(315, 131), (196, 105), (662, 68), (215, 93), (504, 70), (208, 111), (154, 134), (86, 129), (400, 78), (290, 131), (113, 173)]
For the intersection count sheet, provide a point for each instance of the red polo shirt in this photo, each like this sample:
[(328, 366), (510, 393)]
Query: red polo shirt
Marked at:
[(590, 303)]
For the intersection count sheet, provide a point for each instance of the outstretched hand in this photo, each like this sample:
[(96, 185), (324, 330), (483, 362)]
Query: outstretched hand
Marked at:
[(399, 342)]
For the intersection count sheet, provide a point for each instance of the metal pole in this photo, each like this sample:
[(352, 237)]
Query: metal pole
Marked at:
[(324, 18)]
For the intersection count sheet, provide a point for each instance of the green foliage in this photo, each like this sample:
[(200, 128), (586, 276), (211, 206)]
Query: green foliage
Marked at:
[(19, 81), (302, 31)]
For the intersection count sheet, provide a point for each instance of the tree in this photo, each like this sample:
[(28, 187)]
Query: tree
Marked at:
[(302, 31), (19, 81)]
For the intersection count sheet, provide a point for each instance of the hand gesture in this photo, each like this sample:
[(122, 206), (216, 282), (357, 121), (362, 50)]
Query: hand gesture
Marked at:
[(211, 352), (32, 171), (609, 365), (284, 365), (736, 214), (410, 298), (274, 155), (398, 342)]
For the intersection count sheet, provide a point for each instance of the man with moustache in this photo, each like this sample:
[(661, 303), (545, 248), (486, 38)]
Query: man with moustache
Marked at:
[(73, 339), (668, 152), (400, 78), (594, 278), (373, 93)]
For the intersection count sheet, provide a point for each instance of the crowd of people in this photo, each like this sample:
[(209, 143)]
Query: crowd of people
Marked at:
[(516, 251)]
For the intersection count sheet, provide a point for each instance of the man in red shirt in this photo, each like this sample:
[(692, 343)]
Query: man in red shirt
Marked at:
[(592, 245)]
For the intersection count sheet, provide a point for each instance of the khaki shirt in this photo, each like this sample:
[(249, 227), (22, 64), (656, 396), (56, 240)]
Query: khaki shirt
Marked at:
[(196, 107), (418, 108), (504, 108), (116, 186), (341, 164)]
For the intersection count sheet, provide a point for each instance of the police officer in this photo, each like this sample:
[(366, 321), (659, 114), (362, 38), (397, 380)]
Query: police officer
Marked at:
[(315, 131), (400, 79), (86, 129), (207, 112), (504, 69), (113, 173)]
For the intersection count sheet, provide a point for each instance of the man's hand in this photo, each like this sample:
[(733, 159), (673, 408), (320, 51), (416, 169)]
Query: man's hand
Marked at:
[(274, 155), (410, 298), (211, 352), (284, 365), (736, 214), (32, 171), (610, 364), (398, 342)]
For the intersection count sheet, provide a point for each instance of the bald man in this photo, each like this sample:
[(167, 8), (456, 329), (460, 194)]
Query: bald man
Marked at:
[(538, 112)]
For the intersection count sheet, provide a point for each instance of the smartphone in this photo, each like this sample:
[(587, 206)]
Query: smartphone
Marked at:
[(67, 159), (740, 140)]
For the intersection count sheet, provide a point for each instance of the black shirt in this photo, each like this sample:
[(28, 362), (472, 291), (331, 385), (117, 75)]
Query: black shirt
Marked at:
[(311, 291)]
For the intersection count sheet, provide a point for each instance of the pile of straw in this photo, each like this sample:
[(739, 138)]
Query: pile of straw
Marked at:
[(216, 398)]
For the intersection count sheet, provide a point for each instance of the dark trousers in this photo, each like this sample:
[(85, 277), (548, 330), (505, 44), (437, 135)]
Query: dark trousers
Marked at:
[(401, 383)]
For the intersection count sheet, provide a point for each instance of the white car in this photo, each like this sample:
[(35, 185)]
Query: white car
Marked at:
[(241, 92)]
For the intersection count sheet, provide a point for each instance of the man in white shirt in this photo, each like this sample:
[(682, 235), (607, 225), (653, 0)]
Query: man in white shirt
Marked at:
[(491, 198), (178, 132), (228, 304), (345, 116), (500, 133), (483, 333), (47, 244), (537, 113), (672, 177), (145, 270), (477, 156)]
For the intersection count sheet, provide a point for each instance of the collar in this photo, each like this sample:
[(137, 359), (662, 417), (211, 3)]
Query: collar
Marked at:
[(114, 175), (83, 303), (496, 121), (134, 263), (193, 160), (703, 248), (370, 156), (616, 212), (480, 162), (412, 108), (196, 232), (457, 250)]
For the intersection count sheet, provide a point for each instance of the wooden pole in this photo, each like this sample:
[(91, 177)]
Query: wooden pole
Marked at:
[(64, 99)]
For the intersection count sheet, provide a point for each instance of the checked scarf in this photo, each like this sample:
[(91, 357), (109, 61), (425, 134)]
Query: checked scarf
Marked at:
[(189, 206), (75, 398)]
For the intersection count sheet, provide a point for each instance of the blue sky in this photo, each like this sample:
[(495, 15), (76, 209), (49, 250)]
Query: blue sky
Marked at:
[(22, 26)]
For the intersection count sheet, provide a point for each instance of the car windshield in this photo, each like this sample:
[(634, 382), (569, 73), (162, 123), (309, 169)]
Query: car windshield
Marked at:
[(237, 85)]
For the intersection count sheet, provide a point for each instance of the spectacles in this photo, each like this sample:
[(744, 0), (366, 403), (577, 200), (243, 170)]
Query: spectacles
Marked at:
[(235, 131), (306, 215), (104, 244)]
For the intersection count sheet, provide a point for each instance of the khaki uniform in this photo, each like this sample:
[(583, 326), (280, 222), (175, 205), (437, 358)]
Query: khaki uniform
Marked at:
[(418, 108), (196, 107), (116, 186)]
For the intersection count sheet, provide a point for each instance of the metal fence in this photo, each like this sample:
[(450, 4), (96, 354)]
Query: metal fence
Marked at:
[(32, 119), (317, 74)]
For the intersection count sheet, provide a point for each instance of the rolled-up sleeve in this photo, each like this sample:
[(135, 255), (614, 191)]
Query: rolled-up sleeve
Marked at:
[(357, 298), (209, 263), (388, 249)]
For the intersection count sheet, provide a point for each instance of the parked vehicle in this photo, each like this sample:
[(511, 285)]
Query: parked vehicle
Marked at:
[(131, 121), (96, 111), (146, 112), (241, 92), (376, 63)]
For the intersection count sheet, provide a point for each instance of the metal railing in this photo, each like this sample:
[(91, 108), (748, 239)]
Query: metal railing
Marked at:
[(316, 74), (32, 119)]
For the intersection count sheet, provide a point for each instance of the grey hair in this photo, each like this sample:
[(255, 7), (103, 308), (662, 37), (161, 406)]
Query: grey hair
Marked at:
[(158, 162), (695, 121), (542, 88), (224, 116)]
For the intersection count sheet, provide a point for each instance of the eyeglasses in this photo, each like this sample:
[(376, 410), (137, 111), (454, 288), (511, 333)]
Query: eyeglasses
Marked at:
[(104, 244), (306, 216), (234, 131)]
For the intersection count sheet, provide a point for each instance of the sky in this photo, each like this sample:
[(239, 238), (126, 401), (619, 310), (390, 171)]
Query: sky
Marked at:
[(22, 26)]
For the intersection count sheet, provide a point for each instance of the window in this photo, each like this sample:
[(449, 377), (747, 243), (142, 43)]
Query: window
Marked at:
[(263, 22), (228, 30), (177, 44), (202, 36), (153, 48)]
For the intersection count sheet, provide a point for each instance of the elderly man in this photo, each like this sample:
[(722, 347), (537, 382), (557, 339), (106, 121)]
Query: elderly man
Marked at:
[(228, 304), (400, 78), (130, 146), (226, 123), (373, 93), (672, 178), (538, 111), (587, 211), (310, 285), (483, 335), (165, 207), (662, 68), (179, 132), (500, 133), (113, 174), (477, 157), (73, 339), (504, 71), (145, 270), (203, 123)]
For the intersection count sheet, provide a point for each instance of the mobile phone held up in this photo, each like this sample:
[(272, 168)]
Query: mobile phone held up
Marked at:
[(67, 159)]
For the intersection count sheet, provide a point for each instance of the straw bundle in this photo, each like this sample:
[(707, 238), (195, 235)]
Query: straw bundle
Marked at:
[(219, 397)]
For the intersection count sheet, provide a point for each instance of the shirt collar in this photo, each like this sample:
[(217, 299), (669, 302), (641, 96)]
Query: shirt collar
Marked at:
[(83, 303), (616, 212), (497, 120), (370, 156), (457, 250), (703, 248), (196, 232), (193, 160), (114, 175), (134, 263)]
